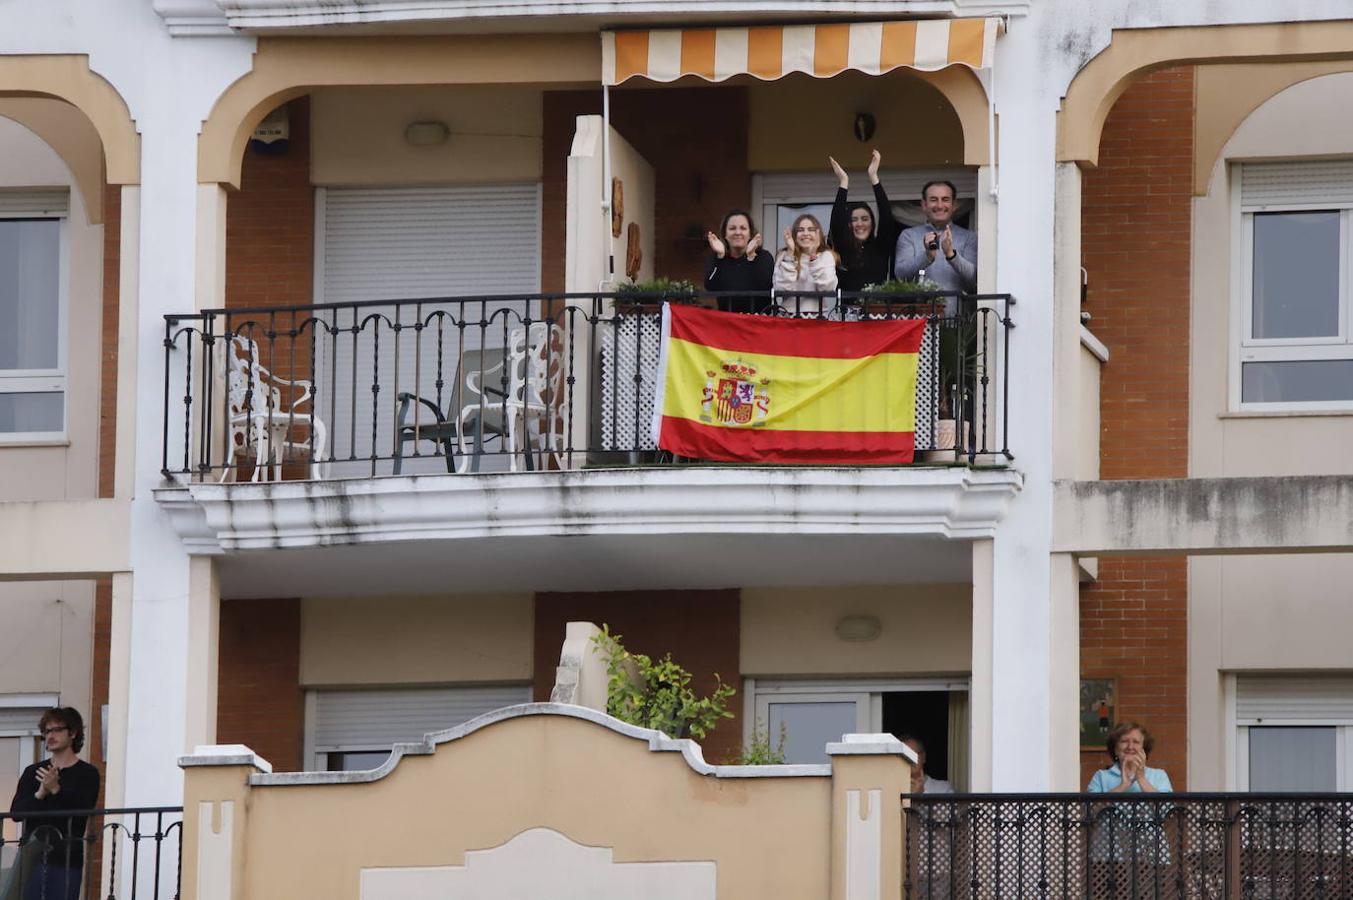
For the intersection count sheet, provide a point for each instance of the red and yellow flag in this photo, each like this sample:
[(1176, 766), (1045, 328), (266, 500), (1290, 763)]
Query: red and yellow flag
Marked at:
[(740, 388)]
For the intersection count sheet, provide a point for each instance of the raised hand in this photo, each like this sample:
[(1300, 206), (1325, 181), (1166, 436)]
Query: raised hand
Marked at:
[(49, 782), (875, 159), (789, 238), (842, 178), (754, 245), (947, 242), (715, 244)]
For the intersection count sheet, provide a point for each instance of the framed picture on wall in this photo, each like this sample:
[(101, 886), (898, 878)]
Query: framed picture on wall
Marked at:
[(1098, 711)]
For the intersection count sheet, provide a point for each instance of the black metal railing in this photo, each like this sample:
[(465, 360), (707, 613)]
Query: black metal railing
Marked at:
[(117, 854), (1105, 847), (542, 381)]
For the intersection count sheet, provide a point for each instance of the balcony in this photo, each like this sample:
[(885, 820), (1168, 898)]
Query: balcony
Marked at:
[(531, 416), (1102, 846)]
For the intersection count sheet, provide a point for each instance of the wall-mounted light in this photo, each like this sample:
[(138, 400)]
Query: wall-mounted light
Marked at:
[(864, 127), (426, 134), (858, 628)]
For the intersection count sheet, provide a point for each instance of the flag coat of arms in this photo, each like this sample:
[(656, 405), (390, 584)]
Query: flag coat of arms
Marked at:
[(740, 388)]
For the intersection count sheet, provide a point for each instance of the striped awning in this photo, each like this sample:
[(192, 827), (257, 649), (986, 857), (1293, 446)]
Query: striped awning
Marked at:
[(773, 51)]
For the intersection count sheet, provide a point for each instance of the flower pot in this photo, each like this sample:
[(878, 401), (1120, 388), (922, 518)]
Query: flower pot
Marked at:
[(946, 448)]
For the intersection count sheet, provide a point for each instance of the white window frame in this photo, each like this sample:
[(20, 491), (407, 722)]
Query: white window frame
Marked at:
[(1238, 751), (46, 381), (867, 693), (1245, 348)]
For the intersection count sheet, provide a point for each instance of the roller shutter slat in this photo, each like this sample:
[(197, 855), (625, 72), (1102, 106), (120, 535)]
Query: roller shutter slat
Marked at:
[(379, 718)]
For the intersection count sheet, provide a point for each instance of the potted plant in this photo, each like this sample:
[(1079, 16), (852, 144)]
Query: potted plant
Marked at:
[(657, 693), (648, 296), (910, 297)]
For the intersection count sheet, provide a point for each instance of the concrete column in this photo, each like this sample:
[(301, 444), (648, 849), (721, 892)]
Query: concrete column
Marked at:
[(215, 816), (981, 741), (1022, 623), (161, 689), (1064, 675), (204, 639)]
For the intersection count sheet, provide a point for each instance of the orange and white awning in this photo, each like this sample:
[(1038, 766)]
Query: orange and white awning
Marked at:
[(773, 51)]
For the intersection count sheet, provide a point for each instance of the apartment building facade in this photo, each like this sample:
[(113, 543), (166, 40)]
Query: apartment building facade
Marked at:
[(1166, 196)]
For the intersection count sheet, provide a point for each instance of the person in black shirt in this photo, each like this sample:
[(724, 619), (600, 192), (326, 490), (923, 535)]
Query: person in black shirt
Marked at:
[(62, 782), (737, 263), (866, 252)]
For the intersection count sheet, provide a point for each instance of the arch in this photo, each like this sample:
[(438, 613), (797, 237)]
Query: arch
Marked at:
[(286, 68), (962, 88), (1133, 53), (1234, 93), (71, 136), (68, 77)]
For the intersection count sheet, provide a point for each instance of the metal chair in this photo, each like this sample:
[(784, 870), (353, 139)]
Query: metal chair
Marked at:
[(446, 431), (261, 423)]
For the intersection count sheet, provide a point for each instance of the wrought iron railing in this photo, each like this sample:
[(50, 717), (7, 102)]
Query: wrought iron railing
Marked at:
[(117, 854), (1111, 846), (545, 381)]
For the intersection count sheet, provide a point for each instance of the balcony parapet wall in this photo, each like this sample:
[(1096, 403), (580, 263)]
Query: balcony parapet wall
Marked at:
[(1294, 514), (549, 798)]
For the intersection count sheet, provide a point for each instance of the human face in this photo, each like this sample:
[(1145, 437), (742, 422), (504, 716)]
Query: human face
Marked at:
[(736, 233), (938, 203), (1131, 743), (56, 736), (807, 236), (861, 224)]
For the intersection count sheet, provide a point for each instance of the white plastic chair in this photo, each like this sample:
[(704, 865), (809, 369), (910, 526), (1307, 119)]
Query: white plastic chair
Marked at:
[(261, 422), (534, 405)]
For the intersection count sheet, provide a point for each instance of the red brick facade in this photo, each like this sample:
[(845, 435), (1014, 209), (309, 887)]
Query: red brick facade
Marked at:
[(701, 629), (1137, 247), (696, 141), (259, 698)]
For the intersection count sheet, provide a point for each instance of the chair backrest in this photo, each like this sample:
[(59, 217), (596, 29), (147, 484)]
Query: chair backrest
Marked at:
[(537, 365), (248, 383)]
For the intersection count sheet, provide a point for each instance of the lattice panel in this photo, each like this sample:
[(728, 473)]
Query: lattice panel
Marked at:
[(1176, 847)]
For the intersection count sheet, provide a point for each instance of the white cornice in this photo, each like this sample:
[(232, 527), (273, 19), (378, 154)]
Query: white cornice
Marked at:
[(952, 502), (193, 18)]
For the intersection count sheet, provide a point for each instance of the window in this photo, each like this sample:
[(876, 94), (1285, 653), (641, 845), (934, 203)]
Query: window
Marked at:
[(32, 312), (1295, 290), (349, 730), (812, 714), (1294, 733), (20, 747)]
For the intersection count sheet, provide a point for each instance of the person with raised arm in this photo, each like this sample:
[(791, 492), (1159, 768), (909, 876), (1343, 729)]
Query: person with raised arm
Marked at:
[(805, 264), (865, 247), (737, 263)]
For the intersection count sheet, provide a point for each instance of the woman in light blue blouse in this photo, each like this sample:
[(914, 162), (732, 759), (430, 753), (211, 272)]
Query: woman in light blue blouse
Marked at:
[(1129, 745)]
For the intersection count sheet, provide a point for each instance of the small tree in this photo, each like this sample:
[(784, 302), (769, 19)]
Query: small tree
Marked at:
[(658, 694)]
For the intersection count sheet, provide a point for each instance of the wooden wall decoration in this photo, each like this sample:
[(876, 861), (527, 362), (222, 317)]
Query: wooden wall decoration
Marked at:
[(634, 254), (617, 206)]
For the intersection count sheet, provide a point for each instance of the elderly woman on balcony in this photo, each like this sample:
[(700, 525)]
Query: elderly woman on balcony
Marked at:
[(1129, 745)]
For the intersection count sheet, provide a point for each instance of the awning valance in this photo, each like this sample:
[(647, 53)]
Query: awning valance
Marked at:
[(773, 51)]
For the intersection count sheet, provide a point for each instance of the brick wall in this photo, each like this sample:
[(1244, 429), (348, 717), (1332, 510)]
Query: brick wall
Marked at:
[(260, 702), (701, 629), (696, 141), (1136, 232)]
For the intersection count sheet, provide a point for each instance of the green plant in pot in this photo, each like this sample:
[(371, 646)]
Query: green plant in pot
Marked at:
[(654, 292)]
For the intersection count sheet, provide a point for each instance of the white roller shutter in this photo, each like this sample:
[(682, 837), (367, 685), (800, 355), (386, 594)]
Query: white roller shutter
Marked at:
[(376, 719), (46, 204), (1323, 183), (406, 244), (1275, 700), (20, 719)]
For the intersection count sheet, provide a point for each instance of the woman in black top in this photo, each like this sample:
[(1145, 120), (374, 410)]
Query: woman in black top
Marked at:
[(738, 263), (866, 253)]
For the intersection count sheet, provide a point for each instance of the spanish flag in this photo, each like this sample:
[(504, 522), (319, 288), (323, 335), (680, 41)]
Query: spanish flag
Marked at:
[(741, 388)]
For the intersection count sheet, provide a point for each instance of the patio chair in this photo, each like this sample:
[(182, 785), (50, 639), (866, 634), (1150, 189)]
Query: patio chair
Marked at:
[(262, 423), (431, 424)]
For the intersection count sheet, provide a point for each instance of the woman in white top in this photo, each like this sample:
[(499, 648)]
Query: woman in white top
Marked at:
[(805, 264)]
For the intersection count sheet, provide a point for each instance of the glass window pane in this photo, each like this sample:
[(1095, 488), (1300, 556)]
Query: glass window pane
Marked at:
[(1304, 380), (357, 760), (29, 283), (23, 413), (809, 727), (1292, 759), (1296, 274)]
